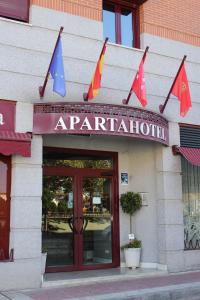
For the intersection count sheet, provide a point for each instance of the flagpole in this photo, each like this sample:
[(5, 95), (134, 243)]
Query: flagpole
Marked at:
[(85, 95), (162, 106), (126, 101), (42, 88)]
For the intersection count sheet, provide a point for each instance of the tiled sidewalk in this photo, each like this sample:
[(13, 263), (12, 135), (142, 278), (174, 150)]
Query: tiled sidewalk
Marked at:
[(178, 286)]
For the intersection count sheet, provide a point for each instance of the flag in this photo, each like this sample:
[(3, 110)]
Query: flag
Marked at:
[(57, 70), (139, 86), (96, 80), (182, 92)]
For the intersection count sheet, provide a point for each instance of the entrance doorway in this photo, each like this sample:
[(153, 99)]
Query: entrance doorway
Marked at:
[(5, 182), (80, 227)]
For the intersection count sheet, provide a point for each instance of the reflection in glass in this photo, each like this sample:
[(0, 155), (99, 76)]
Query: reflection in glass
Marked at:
[(191, 201), (109, 23), (97, 233), (57, 220), (93, 163), (126, 29)]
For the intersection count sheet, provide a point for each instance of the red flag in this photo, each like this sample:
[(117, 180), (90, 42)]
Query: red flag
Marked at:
[(139, 86), (96, 80), (182, 92)]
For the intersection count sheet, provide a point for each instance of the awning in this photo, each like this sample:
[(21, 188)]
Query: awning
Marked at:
[(15, 143), (191, 154)]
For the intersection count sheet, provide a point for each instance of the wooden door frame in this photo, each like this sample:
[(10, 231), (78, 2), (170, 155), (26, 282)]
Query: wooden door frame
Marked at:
[(79, 174), (7, 161)]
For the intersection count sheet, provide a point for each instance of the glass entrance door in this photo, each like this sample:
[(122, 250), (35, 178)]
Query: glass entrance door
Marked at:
[(58, 220), (97, 220), (80, 225)]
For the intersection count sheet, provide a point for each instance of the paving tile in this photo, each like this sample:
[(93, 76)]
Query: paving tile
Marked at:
[(182, 286), (15, 296)]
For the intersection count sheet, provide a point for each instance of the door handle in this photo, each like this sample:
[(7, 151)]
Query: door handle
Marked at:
[(84, 224), (71, 222)]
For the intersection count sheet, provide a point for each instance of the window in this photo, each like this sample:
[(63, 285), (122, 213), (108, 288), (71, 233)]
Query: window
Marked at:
[(189, 137), (191, 202), (65, 158), (15, 9), (121, 23), (4, 206)]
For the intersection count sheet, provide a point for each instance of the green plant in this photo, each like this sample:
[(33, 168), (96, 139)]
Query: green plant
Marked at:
[(44, 249), (132, 244), (130, 203)]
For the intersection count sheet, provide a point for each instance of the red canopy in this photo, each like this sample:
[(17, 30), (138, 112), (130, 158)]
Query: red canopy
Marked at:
[(15, 143), (191, 154)]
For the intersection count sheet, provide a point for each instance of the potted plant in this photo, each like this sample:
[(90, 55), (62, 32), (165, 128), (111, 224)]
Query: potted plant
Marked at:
[(130, 203), (43, 259), (132, 251)]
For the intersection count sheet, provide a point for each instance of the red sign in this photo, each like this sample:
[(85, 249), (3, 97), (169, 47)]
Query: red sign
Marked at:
[(7, 116), (99, 119)]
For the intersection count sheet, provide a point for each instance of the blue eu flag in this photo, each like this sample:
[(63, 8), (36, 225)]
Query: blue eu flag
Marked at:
[(57, 71)]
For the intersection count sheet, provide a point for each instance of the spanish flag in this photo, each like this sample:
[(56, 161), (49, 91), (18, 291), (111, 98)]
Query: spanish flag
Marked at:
[(96, 80)]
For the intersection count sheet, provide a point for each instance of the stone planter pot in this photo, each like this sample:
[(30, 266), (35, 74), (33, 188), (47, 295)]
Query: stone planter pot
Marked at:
[(132, 257), (43, 262)]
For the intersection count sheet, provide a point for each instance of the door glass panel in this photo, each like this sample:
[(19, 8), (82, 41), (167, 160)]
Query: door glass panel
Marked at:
[(97, 211), (109, 22), (57, 220), (126, 28), (4, 212), (78, 162)]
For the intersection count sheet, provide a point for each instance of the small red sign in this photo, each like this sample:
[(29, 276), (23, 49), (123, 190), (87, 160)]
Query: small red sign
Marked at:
[(7, 116)]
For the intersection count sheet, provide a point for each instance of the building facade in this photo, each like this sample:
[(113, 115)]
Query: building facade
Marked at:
[(63, 161)]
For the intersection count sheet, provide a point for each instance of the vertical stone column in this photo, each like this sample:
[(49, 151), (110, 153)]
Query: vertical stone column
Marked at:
[(169, 204), (25, 219), (124, 166)]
